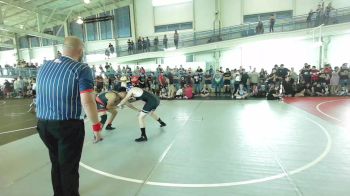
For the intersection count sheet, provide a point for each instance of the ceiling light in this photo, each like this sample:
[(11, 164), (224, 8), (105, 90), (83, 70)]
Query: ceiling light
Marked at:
[(80, 21), (87, 1)]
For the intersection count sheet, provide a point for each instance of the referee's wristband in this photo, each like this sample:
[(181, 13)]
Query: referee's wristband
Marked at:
[(97, 127)]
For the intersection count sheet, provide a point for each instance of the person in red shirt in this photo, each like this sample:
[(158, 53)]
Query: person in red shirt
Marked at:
[(188, 92), (314, 74), (135, 80), (162, 80)]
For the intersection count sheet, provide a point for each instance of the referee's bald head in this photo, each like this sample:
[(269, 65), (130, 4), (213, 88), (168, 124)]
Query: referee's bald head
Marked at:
[(73, 47), (72, 42)]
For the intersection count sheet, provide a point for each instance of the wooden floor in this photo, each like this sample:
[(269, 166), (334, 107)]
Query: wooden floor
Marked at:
[(248, 147)]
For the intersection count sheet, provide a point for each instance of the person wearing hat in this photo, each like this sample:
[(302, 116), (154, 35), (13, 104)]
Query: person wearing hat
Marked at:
[(151, 104)]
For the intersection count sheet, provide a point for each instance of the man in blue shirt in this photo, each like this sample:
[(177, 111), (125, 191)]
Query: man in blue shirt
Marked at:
[(64, 87)]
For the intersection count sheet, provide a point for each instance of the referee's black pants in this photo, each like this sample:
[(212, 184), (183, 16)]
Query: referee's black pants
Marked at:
[(64, 140)]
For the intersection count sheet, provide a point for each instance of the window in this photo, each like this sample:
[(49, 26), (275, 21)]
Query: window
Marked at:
[(91, 29), (122, 22), (46, 42), (34, 42), (77, 29), (23, 42), (58, 30), (106, 27), (173, 27)]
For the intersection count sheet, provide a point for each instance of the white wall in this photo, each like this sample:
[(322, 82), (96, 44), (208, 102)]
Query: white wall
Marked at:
[(230, 11), (144, 17), (7, 57), (24, 54), (338, 50), (172, 14), (204, 14), (340, 3), (38, 54), (292, 52), (258, 6), (303, 7)]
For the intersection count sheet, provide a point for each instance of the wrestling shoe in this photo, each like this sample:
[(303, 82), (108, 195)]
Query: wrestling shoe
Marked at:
[(109, 127), (141, 139), (162, 124)]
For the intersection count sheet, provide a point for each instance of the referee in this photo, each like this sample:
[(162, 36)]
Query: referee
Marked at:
[(64, 86)]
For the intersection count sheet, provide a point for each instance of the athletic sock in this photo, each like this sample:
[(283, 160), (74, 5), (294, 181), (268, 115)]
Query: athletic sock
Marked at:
[(143, 132)]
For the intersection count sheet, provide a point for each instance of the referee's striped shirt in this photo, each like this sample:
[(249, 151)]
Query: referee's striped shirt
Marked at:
[(59, 85)]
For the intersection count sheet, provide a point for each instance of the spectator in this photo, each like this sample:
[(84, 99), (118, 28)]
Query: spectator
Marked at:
[(16, 88), (334, 82), (148, 43), (144, 45), (59, 54), (207, 80), (245, 79), (188, 92), (260, 27), (176, 39), (129, 47), (309, 18), (318, 90), (305, 73), (273, 93), (205, 92), (319, 15), (163, 93), (171, 89), (314, 74), (241, 93), (162, 80), (293, 74), (282, 72), (165, 42), (288, 88), (1, 73), (7, 89), (327, 15), (179, 93), (262, 75), (272, 22), (227, 81), (217, 83), (238, 77), (344, 76), (107, 53), (111, 48), (156, 43), (254, 80), (197, 83), (139, 44), (132, 45)]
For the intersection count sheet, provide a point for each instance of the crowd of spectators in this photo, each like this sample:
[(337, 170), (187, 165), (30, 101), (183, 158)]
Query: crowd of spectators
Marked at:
[(143, 44), (240, 83), (321, 16), (18, 88), (21, 68)]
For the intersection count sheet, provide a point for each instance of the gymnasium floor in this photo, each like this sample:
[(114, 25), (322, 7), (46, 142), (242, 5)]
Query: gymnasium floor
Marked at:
[(300, 147)]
